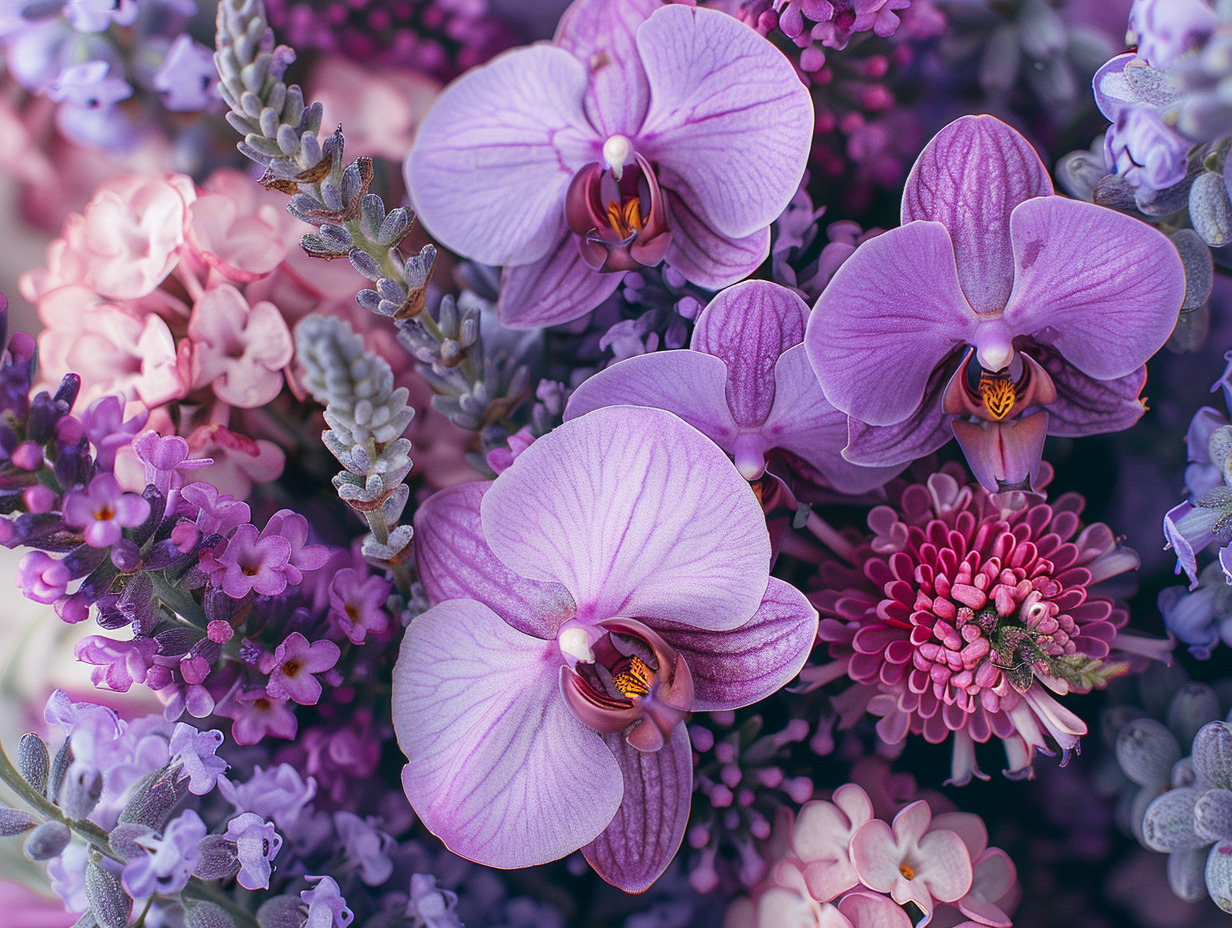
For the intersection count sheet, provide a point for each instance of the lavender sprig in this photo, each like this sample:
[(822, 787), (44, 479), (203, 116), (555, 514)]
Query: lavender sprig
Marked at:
[(282, 133), (366, 417)]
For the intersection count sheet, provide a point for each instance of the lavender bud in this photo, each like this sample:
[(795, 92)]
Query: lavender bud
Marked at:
[(364, 264), (108, 901), (1193, 706), (33, 761), (1146, 751), (219, 858), (59, 767), (1199, 269), (48, 840), (155, 797), (87, 920), (281, 912), (81, 791), (124, 838), (15, 822), (206, 915), (1209, 209)]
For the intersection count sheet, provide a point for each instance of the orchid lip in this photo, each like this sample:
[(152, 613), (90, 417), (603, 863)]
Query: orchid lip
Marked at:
[(639, 683), (618, 213)]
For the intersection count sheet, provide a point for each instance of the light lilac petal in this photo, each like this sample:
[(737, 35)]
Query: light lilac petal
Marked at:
[(553, 290), (749, 326), (1099, 287), (869, 910), (454, 562), (1090, 407), (494, 155), (803, 422), (875, 855), (499, 770), (945, 865), (1004, 454), (738, 667), (892, 313), (921, 433), (940, 187), (643, 837), (686, 382), (637, 514), (600, 34), (729, 125), (707, 258)]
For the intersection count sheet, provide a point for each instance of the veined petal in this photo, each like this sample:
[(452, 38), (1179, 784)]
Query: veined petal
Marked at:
[(803, 422), (889, 317), (499, 769), (1100, 288), (637, 514), (494, 155), (647, 830), (555, 289), (921, 433), (942, 187), (687, 382), (749, 326), (600, 34), (738, 667), (1090, 407), (945, 865), (454, 562), (729, 125), (871, 909), (706, 257)]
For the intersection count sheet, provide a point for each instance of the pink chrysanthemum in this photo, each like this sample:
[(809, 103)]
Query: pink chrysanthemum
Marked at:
[(967, 612)]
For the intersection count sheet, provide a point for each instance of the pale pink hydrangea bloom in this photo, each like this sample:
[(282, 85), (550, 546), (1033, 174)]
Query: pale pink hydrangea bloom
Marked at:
[(238, 350)]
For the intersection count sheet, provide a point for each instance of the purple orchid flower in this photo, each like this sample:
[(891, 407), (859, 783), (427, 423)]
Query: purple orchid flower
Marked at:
[(997, 313), (612, 580), (646, 133), (746, 383)]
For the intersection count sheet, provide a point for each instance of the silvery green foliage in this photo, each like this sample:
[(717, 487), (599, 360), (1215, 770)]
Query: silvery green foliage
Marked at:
[(366, 415)]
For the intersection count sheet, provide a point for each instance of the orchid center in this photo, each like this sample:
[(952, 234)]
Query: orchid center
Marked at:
[(616, 210)]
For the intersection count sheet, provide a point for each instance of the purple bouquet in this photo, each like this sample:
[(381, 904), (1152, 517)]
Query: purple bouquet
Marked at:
[(489, 463)]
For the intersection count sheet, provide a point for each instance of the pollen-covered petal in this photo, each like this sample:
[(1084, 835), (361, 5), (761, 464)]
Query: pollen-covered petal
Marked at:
[(493, 157), (942, 187), (729, 124), (647, 830), (498, 768), (636, 513), (740, 666), (687, 382), (1100, 288), (889, 317), (455, 562)]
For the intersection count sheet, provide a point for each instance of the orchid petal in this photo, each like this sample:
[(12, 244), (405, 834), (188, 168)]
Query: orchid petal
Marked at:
[(601, 35), (454, 562), (499, 770), (1089, 407), (635, 849), (1100, 288), (749, 326), (494, 155), (1004, 455), (803, 422), (921, 433), (730, 124), (686, 382), (553, 290), (637, 514), (705, 257), (942, 187), (739, 666), (890, 315)]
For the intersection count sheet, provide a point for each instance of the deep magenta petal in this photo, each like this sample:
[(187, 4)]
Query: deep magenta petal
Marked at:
[(498, 768), (600, 34), (494, 155), (749, 326), (738, 667), (689, 383), (556, 289), (1099, 287), (891, 314), (943, 187), (454, 562), (643, 837), (730, 124), (637, 514)]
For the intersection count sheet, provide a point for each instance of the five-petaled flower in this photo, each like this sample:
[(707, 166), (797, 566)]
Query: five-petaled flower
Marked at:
[(613, 579), (645, 133), (997, 313)]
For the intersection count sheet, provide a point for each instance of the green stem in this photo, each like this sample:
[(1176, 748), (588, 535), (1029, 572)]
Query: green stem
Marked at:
[(177, 600)]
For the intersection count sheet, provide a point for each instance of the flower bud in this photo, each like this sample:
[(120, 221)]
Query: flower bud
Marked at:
[(109, 904), (48, 840), (33, 760)]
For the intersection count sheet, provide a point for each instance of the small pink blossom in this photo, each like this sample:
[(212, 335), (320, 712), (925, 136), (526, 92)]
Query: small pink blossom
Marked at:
[(103, 509), (295, 663), (357, 604), (237, 349), (819, 842), (910, 862), (238, 461), (233, 230), (256, 715)]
